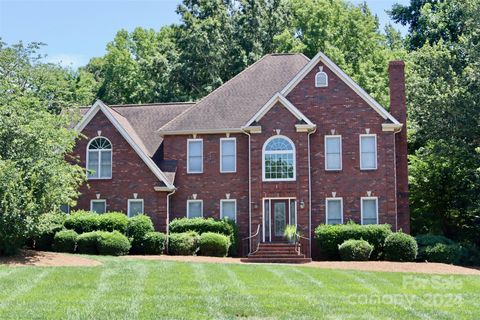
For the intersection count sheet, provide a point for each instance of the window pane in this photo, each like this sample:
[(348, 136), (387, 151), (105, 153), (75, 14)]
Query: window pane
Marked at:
[(228, 156), (92, 164), (333, 145), (228, 210), (195, 164), (135, 208), (195, 148), (194, 209), (228, 147), (98, 206), (293, 211), (334, 211), (106, 164), (228, 163), (195, 158), (333, 161), (369, 211), (368, 144), (368, 160)]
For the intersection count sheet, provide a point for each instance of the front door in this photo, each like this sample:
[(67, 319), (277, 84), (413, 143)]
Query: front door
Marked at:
[(280, 218)]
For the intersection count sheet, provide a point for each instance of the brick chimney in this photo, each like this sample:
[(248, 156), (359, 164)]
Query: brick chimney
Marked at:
[(398, 109)]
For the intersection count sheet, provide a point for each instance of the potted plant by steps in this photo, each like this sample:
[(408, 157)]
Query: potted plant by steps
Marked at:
[(289, 233)]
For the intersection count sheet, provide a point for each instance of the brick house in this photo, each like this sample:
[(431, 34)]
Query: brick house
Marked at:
[(287, 141)]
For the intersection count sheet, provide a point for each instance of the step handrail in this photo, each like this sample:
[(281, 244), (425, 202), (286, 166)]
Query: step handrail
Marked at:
[(255, 237), (298, 239)]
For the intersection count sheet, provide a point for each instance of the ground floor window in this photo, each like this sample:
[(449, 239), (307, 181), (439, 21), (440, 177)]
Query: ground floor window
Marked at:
[(135, 207), (228, 209), (194, 208), (65, 208), (98, 206), (334, 210), (369, 210)]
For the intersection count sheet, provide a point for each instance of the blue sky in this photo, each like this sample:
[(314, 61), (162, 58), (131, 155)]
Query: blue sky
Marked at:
[(75, 31)]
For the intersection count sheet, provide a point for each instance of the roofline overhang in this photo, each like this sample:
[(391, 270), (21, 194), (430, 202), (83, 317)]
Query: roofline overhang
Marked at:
[(199, 131)]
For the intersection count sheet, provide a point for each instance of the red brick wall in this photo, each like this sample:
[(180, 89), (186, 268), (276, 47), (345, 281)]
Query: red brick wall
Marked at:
[(129, 175)]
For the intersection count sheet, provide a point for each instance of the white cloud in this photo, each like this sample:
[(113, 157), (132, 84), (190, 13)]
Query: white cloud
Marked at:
[(68, 60)]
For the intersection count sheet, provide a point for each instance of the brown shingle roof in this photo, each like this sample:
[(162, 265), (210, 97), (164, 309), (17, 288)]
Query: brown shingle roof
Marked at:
[(235, 102)]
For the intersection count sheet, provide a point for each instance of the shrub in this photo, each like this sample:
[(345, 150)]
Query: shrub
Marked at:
[(87, 243), (113, 244), (65, 241), (82, 221), (201, 225), (46, 228), (153, 243), (355, 250), (214, 244), (400, 246), (185, 243), (113, 221), (137, 228), (329, 237), (443, 253), (429, 240)]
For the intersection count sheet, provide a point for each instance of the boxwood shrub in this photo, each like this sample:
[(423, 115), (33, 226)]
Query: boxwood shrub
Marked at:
[(113, 221), (400, 246), (87, 243), (153, 243), (113, 244), (65, 241), (137, 229), (82, 221), (355, 250), (214, 244), (185, 243), (329, 237), (46, 228)]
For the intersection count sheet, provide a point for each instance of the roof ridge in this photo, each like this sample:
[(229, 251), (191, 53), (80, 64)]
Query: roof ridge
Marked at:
[(150, 104)]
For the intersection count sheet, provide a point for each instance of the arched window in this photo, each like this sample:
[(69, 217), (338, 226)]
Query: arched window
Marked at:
[(321, 79), (278, 159), (99, 159)]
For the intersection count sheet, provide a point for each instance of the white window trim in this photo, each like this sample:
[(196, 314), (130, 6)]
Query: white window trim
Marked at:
[(188, 156), (98, 200), (326, 208), (221, 155), (361, 207), (341, 151), (188, 207), (221, 207), (135, 200), (279, 152), (360, 148), (316, 82), (99, 160)]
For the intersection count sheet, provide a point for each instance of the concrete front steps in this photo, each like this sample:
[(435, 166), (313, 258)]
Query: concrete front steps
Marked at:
[(276, 252)]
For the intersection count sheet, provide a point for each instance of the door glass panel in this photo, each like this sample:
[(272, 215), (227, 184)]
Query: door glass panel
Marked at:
[(280, 218)]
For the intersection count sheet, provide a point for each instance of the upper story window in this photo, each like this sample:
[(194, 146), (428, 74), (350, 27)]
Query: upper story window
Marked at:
[(228, 155), (321, 78), (99, 159), (333, 152), (368, 151), (195, 156), (369, 210), (278, 159)]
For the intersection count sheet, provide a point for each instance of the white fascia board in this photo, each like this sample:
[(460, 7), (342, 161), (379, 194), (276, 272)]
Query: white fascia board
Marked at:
[(199, 131), (344, 77)]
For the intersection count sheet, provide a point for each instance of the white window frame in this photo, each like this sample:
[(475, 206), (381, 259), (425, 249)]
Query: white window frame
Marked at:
[(337, 136), (135, 200), (361, 207), (98, 200), (264, 152), (323, 73), (99, 160), (376, 150), (221, 155), (188, 156), (188, 207), (326, 208), (221, 207)]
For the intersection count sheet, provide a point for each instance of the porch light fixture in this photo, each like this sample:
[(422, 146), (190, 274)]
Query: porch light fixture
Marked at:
[(302, 204)]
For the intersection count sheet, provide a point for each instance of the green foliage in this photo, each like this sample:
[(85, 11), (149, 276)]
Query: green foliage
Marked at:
[(214, 244), (87, 243), (355, 250), (65, 241), (137, 229), (329, 237), (153, 243), (289, 232), (113, 221), (184, 244), (82, 221), (113, 244), (443, 253), (400, 247), (46, 228)]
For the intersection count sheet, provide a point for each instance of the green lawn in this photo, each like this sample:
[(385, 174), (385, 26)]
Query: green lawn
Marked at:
[(126, 289)]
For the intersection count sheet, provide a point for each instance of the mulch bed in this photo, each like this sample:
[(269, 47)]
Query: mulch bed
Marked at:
[(48, 259)]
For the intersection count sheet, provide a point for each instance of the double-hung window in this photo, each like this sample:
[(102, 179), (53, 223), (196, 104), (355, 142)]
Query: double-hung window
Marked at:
[(195, 156), (228, 209), (334, 210), (369, 208), (228, 155), (368, 151), (194, 208), (333, 152), (135, 207), (98, 206)]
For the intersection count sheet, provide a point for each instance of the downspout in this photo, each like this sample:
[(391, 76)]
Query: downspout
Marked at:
[(310, 195), (168, 217), (249, 189), (395, 166)]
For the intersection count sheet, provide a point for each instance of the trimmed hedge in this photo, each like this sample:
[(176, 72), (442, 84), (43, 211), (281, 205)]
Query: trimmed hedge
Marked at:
[(113, 244), (46, 228), (329, 237), (185, 243), (65, 241), (430, 240), (113, 221), (400, 246), (87, 243), (355, 250), (202, 225), (82, 221), (153, 243), (214, 244), (137, 228), (442, 253)]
